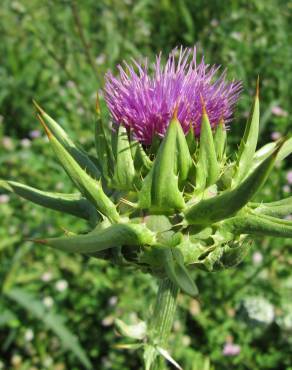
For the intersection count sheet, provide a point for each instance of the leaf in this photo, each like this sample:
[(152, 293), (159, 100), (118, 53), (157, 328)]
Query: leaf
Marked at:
[(220, 141), (248, 143), (160, 190), (256, 224), (207, 168), (142, 162), (124, 171), (73, 204), (229, 202), (177, 272), (89, 187), (280, 208), (167, 356), (51, 320), (191, 140), (137, 331), (111, 237), (105, 157), (267, 149), (79, 155)]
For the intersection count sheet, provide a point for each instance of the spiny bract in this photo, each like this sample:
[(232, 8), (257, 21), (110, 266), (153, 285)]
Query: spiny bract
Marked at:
[(169, 207)]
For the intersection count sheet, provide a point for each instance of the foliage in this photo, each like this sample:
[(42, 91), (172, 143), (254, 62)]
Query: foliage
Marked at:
[(43, 57)]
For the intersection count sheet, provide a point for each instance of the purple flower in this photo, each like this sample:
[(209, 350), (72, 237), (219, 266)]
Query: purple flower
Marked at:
[(231, 349), (34, 134), (145, 102)]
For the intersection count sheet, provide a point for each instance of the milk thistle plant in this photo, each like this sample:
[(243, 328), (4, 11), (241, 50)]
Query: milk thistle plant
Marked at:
[(161, 194)]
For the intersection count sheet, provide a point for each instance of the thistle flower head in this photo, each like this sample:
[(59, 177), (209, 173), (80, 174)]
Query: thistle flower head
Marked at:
[(145, 102)]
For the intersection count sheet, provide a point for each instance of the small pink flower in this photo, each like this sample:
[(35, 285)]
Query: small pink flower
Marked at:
[(275, 135), (231, 349), (289, 177), (279, 112)]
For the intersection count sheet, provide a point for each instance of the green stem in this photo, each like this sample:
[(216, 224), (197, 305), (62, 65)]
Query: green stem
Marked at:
[(160, 323)]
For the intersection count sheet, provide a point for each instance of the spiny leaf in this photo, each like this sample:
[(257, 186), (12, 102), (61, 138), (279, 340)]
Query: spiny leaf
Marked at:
[(142, 162), (230, 201), (73, 204), (103, 147), (256, 224), (124, 171), (207, 168), (161, 187), (267, 149), (88, 186), (51, 320), (111, 237), (191, 140), (280, 208), (177, 272), (220, 141), (78, 154), (249, 141)]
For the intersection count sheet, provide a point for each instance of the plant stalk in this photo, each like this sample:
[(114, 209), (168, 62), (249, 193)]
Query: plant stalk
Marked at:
[(160, 324)]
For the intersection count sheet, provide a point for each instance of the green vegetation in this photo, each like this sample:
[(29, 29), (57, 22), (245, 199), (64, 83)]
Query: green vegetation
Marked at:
[(57, 310)]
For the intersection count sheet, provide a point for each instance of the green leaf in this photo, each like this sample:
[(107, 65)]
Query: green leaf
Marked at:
[(256, 224), (79, 155), (207, 168), (105, 157), (73, 204), (51, 320), (142, 162), (124, 172), (248, 143), (177, 272), (167, 356), (191, 140), (89, 187), (220, 141), (161, 188), (114, 236), (280, 208), (229, 202), (267, 149)]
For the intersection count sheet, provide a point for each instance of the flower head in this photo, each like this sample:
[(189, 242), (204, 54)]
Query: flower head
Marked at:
[(145, 103)]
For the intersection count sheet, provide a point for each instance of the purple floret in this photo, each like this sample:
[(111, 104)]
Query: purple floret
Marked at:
[(144, 102)]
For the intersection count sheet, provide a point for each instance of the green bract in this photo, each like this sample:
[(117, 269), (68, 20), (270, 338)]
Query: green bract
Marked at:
[(165, 209)]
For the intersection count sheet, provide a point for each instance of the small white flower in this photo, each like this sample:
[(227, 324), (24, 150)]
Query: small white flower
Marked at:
[(4, 198), (48, 301), (48, 361), (286, 189), (46, 276), (25, 143), (70, 84), (61, 285), (59, 185), (257, 258), (7, 143), (113, 301), (29, 335), (16, 360)]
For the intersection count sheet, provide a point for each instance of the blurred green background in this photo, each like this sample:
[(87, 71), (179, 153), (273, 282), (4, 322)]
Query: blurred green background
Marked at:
[(57, 310)]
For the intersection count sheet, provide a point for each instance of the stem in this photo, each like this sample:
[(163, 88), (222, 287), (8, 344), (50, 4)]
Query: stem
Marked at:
[(161, 323)]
